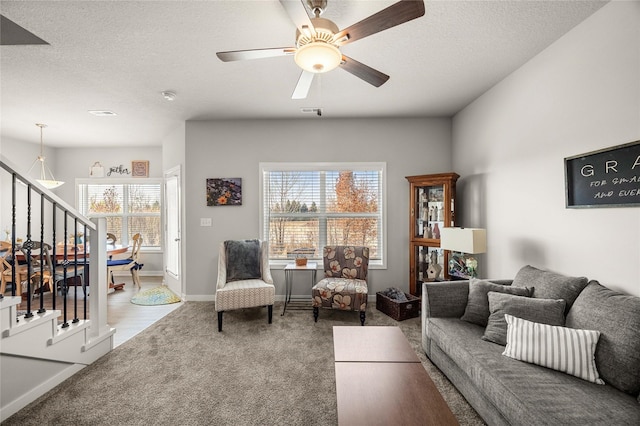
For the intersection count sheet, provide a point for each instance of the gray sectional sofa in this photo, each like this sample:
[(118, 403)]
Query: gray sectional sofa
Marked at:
[(462, 320)]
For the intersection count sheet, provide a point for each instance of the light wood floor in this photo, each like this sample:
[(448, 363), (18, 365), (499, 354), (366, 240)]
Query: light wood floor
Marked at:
[(129, 319)]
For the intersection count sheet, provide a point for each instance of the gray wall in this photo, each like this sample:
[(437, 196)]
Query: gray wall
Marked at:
[(579, 95), (22, 156), (216, 149)]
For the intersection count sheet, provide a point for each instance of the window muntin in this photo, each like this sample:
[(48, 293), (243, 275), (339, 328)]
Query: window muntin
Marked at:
[(306, 206), (129, 208)]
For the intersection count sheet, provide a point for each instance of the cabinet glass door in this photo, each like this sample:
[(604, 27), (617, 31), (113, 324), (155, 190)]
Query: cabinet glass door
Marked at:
[(428, 265), (430, 211)]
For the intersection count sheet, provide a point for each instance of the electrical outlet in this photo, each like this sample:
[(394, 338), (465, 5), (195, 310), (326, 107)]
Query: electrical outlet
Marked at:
[(205, 221)]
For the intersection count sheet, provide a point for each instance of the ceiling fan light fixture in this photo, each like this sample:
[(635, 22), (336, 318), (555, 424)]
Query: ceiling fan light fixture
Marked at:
[(318, 57)]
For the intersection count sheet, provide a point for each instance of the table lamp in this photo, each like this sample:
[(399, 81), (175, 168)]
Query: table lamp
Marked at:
[(465, 241)]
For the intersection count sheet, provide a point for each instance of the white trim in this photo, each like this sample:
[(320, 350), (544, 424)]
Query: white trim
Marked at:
[(127, 181)]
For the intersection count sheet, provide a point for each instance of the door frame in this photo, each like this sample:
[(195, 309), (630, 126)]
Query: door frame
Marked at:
[(176, 284)]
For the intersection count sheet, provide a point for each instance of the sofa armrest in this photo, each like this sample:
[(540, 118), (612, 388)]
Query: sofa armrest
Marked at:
[(439, 300), (444, 299)]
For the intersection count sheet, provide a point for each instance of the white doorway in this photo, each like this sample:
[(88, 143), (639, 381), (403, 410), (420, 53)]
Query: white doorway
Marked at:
[(173, 234)]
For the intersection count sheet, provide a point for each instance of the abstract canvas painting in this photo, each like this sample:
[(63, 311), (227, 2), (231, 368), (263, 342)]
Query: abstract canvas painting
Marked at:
[(224, 192)]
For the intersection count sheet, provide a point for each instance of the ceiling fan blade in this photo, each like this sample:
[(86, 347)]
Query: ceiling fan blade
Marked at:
[(304, 84), (365, 72), (298, 14), (241, 55), (396, 14)]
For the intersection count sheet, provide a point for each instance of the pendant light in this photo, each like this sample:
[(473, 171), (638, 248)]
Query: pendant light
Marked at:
[(47, 183)]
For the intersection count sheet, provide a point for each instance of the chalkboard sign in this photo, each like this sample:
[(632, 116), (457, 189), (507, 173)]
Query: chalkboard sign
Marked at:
[(605, 178)]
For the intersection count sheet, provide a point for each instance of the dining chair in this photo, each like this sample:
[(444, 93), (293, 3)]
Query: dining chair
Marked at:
[(43, 271), (344, 286), (132, 263), (6, 269), (244, 277)]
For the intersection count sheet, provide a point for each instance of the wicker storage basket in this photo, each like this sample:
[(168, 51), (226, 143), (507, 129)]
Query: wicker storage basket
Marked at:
[(399, 311), (301, 261)]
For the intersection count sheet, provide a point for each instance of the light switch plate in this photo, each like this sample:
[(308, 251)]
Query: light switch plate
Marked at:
[(205, 221)]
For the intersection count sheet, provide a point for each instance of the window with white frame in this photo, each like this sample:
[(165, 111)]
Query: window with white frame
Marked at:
[(305, 206), (129, 206)]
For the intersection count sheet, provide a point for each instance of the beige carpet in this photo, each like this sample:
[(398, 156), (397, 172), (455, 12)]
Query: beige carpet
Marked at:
[(182, 371)]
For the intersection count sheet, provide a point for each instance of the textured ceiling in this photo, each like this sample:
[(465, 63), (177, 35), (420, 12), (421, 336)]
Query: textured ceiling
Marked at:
[(120, 55)]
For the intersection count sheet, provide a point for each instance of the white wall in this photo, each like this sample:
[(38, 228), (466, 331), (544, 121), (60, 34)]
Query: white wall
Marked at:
[(217, 149), (579, 95)]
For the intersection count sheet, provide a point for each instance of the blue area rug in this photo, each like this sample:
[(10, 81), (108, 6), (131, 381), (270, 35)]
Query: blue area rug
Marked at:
[(155, 296)]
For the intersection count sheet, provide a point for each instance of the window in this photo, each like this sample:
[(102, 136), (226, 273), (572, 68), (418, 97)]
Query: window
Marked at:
[(306, 206), (130, 207)]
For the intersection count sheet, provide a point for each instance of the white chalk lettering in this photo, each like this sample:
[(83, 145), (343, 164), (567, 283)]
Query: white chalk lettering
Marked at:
[(629, 192), (611, 165), (636, 163), (587, 170), (618, 181), (602, 194), (598, 183)]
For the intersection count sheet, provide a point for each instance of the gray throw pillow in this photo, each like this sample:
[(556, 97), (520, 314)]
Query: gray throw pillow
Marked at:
[(243, 260), (617, 317), (544, 311), (550, 285), (477, 310)]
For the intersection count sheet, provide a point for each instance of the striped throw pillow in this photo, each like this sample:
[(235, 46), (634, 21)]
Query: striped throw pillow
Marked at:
[(569, 350)]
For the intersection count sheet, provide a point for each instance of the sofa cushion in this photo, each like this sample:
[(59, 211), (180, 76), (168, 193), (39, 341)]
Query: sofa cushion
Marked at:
[(545, 311), (569, 350), (549, 397), (617, 317), (550, 285), (477, 310), (243, 260)]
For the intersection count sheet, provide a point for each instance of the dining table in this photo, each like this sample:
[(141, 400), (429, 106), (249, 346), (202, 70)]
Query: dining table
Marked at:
[(112, 250)]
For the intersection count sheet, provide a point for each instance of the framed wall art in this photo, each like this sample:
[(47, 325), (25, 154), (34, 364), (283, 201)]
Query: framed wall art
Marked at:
[(606, 178), (140, 168), (224, 192)]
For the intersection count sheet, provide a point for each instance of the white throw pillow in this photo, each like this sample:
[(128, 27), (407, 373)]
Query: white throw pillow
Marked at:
[(569, 350)]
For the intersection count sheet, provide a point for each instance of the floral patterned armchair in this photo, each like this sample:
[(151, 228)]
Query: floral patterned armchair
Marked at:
[(345, 284)]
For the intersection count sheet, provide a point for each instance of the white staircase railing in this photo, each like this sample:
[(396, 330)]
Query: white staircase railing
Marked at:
[(44, 343)]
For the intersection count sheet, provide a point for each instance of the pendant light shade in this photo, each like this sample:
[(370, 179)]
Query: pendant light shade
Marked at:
[(49, 183)]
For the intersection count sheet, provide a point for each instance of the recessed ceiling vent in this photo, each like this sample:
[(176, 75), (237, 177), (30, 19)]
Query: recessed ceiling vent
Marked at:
[(102, 113)]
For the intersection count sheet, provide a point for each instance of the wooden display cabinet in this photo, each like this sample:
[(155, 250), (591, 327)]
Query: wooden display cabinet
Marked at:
[(431, 208)]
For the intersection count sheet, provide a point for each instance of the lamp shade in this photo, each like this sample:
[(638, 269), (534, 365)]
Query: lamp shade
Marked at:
[(464, 240)]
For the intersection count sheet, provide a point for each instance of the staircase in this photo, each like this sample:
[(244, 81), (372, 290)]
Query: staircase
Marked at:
[(39, 349)]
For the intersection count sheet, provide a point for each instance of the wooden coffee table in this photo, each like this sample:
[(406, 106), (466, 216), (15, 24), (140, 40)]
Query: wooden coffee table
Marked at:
[(381, 381)]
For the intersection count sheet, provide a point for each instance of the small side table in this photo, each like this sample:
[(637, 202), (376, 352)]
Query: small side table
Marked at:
[(288, 279)]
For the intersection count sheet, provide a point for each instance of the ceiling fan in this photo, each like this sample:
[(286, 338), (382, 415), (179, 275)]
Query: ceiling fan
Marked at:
[(318, 41)]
